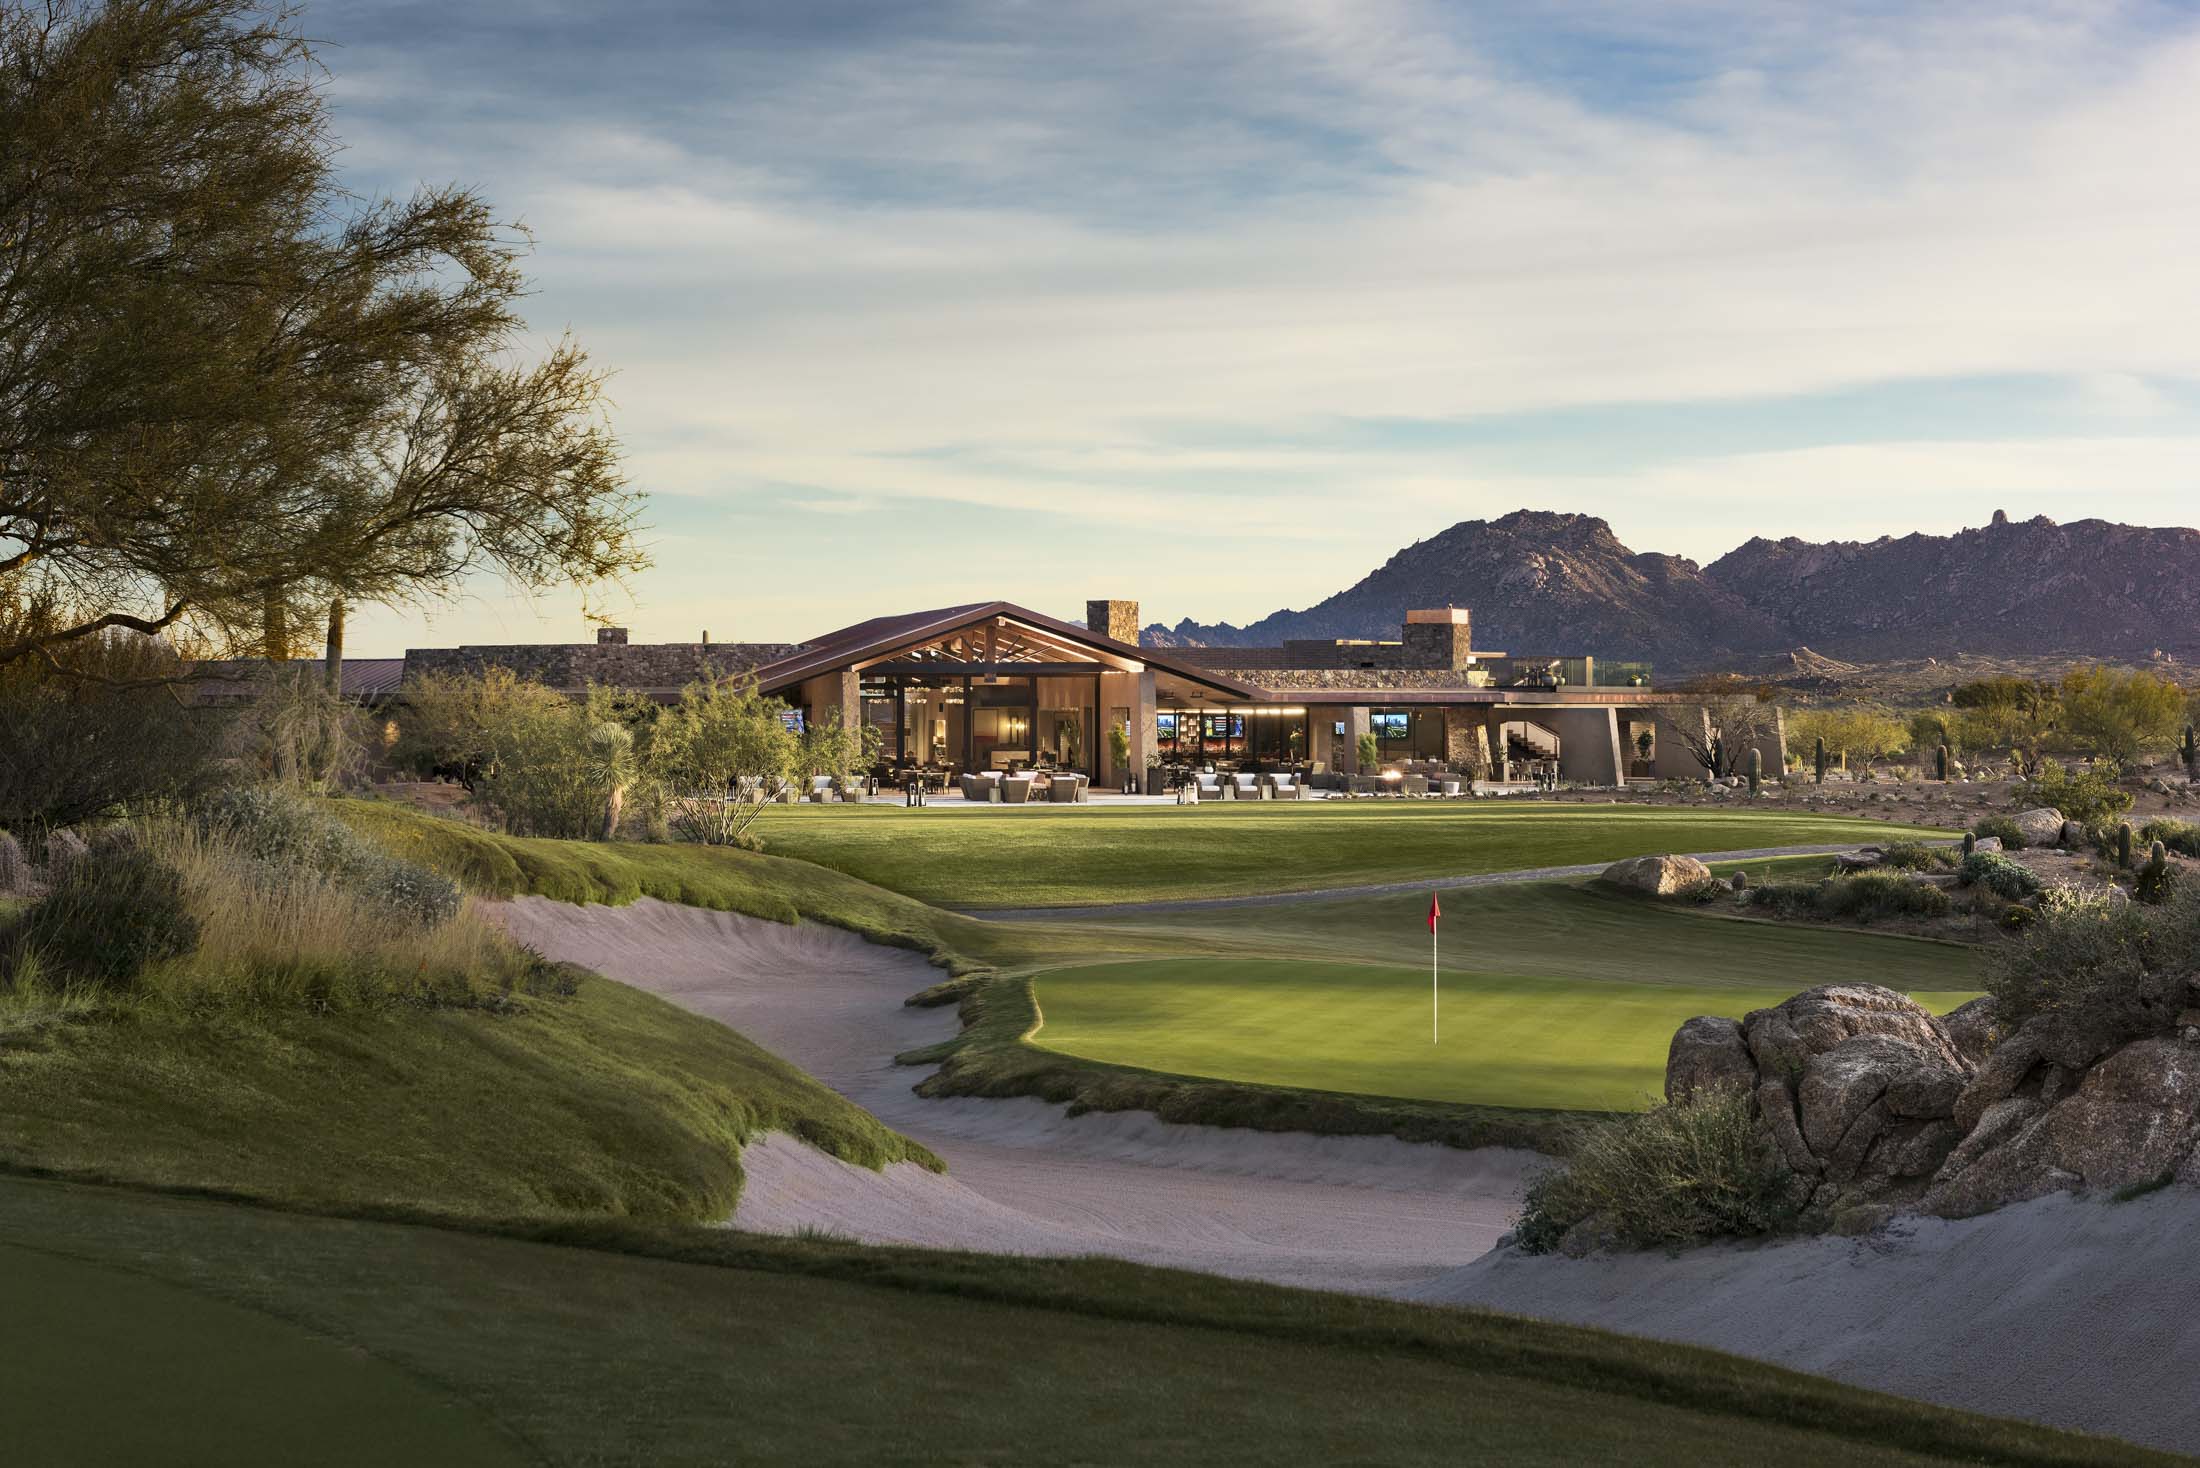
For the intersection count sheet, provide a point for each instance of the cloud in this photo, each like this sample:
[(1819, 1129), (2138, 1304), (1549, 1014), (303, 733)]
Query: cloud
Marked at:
[(1117, 260)]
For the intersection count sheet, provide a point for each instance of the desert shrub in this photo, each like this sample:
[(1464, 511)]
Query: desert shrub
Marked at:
[(1999, 875), (2120, 714), (1874, 896), (2089, 797), (300, 732), (286, 833), (720, 757), (2181, 837), (1678, 1174), (566, 770), (15, 868), (2156, 885), (1785, 899), (99, 732), (107, 920), (2004, 828), (2096, 971), (1916, 856)]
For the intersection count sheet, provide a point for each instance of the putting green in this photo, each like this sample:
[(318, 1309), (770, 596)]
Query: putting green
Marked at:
[(1554, 995), (1503, 1039)]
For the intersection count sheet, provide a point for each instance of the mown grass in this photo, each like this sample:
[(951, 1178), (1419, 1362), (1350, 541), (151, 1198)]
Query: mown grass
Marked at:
[(603, 1101), (616, 1343), (1090, 855)]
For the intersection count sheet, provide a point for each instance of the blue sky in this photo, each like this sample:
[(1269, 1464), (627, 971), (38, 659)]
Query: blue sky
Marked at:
[(1217, 305)]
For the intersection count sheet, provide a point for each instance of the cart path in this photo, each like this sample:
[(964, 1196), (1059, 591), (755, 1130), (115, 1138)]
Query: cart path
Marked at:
[(1370, 1214), (1371, 889)]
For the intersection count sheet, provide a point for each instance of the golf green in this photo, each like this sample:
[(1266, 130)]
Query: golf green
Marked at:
[(1501, 1039), (1556, 995)]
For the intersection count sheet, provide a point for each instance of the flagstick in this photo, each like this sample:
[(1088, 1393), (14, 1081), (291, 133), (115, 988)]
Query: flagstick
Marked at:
[(1432, 983)]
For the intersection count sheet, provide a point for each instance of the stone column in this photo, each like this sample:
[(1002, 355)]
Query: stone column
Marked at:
[(1356, 723), (1589, 745)]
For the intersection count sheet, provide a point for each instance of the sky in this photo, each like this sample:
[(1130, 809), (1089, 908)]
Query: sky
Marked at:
[(1217, 305)]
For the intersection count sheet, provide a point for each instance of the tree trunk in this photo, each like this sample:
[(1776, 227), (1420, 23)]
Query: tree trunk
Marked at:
[(275, 629), (332, 670), (613, 808)]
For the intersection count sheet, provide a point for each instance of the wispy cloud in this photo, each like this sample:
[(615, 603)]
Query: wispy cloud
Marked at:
[(1133, 264)]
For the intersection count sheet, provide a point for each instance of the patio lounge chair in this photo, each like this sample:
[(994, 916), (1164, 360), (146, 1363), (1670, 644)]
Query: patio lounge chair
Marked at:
[(981, 787), (1016, 789), (1066, 789), (1245, 787), (1210, 786), (821, 789), (1285, 787)]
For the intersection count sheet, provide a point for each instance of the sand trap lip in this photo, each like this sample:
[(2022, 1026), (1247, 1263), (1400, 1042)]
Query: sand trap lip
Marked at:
[(2079, 1313), (1372, 1214)]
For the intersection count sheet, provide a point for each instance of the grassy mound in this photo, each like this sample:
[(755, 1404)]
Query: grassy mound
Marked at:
[(1089, 855), (670, 1346), (323, 1040), (616, 873), (604, 1100)]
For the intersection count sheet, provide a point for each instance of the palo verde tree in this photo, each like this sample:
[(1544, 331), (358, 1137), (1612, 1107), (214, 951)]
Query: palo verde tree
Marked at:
[(234, 397), (1736, 718)]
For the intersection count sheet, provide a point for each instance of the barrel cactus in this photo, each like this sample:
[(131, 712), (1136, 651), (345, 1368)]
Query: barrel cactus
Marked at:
[(1970, 842)]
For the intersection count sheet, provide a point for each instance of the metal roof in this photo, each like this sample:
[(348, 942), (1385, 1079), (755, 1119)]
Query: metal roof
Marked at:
[(363, 680), (868, 641)]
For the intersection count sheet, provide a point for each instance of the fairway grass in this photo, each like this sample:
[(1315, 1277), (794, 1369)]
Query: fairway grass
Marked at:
[(1087, 855), (677, 1346)]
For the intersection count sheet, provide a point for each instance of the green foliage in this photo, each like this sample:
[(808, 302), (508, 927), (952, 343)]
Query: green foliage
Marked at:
[(287, 834), (2003, 829), (300, 732), (1864, 897), (257, 391), (1998, 874), (452, 725), (1369, 750), (106, 921), (102, 729), (2097, 971), (2120, 714), (2181, 837), (1859, 731), (1679, 1174), (1916, 856), (2088, 797), (721, 756), (564, 769)]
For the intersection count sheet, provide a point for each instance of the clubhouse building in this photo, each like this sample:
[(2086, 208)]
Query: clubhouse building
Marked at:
[(991, 686)]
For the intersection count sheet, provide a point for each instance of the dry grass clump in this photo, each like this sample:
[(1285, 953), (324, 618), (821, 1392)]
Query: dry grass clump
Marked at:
[(254, 932)]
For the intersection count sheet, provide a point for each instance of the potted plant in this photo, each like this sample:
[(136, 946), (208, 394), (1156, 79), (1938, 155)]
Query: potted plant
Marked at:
[(1119, 754)]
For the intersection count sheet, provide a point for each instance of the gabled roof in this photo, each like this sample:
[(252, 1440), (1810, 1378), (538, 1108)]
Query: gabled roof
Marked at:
[(882, 636), (364, 680)]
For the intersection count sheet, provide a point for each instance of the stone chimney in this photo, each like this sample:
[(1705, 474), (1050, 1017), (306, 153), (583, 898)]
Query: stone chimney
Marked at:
[(610, 637), (1116, 619), (1439, 637)]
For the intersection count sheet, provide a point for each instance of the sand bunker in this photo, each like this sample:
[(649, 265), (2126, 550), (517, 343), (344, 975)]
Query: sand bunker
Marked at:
[(2077, 1312), (1361, 1213)]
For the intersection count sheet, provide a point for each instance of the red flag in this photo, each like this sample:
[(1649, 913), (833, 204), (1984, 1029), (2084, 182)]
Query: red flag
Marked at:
[(1434, 912)]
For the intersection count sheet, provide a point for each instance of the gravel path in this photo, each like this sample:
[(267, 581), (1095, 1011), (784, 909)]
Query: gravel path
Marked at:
[(1372, 889), (1368, 1214)]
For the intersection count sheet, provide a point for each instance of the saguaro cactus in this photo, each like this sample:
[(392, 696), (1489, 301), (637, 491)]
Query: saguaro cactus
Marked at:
[(1756, 769), (1818, 759), (1970, 842), (2123, 845), (1940, 764), (2191, 753)]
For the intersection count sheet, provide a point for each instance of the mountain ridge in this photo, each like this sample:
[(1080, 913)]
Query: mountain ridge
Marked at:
[(1546, 582)]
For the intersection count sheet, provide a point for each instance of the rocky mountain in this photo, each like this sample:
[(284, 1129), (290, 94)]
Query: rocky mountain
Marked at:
[(1542, 583)]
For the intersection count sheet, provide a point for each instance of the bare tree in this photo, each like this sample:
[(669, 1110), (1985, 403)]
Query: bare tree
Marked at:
[(1729, 718)]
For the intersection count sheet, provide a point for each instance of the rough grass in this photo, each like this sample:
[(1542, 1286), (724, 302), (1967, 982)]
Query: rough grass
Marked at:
[(618, 1343), (616, 873), (605, 1101), (1093, 855)]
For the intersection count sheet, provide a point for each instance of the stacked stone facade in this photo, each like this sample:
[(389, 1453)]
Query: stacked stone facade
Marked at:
[(660, 667), (1116, 619)]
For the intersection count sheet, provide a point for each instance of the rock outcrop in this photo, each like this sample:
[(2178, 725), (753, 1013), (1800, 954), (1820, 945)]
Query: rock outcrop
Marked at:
[(1875, 1105), (2041, 827), (1657, 876)]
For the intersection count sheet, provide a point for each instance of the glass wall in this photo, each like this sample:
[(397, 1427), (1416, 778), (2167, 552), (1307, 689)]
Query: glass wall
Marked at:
[(1247, 736), (1408, 733)]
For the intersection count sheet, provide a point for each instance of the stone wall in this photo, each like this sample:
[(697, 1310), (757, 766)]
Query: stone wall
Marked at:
[(1284, 679), (1116, 619), (659, 666)]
